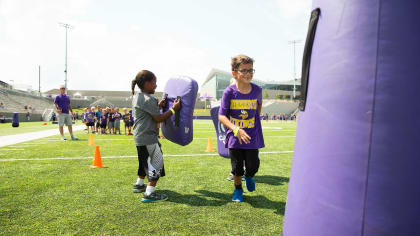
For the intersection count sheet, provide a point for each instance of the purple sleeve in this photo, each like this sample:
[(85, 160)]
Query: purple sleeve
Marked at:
[(259, 97), (225, 104), (56, 100)]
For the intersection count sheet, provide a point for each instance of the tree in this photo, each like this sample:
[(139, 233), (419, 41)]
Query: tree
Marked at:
[(265, 94)]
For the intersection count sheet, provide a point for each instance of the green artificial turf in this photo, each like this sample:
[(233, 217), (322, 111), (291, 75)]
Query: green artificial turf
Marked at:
[(43, 195)]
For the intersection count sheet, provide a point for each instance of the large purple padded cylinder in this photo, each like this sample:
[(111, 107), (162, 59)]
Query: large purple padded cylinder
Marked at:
[(356, 166), (179, 128)]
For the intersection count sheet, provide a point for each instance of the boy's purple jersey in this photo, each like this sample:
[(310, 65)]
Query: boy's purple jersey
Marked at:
[(131, 116), (90, 116), (116, 116), (242, 111), (84, 116), (104, 118)]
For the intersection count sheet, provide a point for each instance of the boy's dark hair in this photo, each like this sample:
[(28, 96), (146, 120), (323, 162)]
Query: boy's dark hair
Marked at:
[(241, 59), (141, 78)]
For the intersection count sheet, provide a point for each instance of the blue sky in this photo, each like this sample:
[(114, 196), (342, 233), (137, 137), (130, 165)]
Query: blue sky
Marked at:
[(112, 40)]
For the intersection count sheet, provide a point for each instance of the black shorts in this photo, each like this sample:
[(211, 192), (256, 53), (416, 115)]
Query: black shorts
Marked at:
[(127, 123), (251, 158), (131, 123), (103, 126), (98, 124), (150, 159), (90, 124)]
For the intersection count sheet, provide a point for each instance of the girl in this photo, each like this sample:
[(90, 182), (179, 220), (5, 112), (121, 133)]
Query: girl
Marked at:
[(146, 118)]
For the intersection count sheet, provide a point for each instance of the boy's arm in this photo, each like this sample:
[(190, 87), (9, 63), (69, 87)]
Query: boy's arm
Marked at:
[(241, 134)]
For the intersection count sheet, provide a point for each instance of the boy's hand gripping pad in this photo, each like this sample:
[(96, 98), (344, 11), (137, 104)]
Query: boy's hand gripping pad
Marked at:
[(179, 128)]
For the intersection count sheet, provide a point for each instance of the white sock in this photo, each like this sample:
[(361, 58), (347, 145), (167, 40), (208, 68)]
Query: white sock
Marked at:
[(150, 190), (140, 181)]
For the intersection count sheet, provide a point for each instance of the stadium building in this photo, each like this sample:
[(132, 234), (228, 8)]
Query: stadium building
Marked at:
[(217, 81)]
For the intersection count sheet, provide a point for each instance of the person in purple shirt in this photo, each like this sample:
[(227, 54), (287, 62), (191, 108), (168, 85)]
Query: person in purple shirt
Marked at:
[(103, 121), (117, 120), (90, 119), (239, 112), (62, 107), (131, 123)]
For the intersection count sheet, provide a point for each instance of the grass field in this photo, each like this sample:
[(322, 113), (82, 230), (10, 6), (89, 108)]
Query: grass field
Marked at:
[(48, 188)]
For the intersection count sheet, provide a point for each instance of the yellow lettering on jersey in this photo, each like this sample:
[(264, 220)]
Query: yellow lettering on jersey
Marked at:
[(243, 104), (243, 123)]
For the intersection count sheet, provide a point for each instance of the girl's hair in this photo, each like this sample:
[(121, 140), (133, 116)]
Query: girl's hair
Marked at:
[(240, 59), (141, 78)]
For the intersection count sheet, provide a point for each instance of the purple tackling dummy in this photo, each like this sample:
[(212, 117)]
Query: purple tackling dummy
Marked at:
[(15, 119), (220, 132), (179, 129), (356, 165)]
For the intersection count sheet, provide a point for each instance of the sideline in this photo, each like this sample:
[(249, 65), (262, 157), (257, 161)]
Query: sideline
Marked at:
[(19, 138), (120, 157)]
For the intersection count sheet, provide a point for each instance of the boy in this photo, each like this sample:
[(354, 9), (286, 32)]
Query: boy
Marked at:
[(241, 103), (90, 120), (126, 119), (98, 115), (103, 121), (117, 120), (146, 117), (131, 123), (111, 121)]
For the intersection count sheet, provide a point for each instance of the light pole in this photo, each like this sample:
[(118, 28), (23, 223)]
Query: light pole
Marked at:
[(39, 80), (67, 26), (294, 42)]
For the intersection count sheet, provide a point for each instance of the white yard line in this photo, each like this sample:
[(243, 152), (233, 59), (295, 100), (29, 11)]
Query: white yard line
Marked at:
[(120, 157), (19, 138), (11, 150)]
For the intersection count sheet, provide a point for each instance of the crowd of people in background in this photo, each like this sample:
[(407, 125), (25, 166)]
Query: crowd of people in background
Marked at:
[(278, 117), (107, 120)]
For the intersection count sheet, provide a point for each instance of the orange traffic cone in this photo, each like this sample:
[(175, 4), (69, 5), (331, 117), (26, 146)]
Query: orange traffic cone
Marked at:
[(209, 145), (91, 141), (45, 123), (97, 161)]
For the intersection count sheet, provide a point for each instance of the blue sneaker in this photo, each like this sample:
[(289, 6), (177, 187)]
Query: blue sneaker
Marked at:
[(237, 195), (154, 197), (139, 188), (250, 184)]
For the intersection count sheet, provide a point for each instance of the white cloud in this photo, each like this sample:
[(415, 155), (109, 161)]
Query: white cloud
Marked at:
[(294, 9)]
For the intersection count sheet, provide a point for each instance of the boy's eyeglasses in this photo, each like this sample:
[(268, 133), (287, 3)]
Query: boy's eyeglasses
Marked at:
[(251, 71)]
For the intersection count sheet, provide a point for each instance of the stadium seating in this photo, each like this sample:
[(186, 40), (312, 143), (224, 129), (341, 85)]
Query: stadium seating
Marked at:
[(15, 101)]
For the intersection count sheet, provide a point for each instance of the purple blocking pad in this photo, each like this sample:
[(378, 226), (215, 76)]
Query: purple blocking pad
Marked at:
[(356, 165), (179, 128), (220, 132)]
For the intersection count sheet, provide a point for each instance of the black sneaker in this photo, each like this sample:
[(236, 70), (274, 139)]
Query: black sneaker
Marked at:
[(154, 197), (230, 177), (137, 188)]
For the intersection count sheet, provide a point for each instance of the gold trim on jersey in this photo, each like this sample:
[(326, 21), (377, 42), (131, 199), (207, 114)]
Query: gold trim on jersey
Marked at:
[(236, 104)]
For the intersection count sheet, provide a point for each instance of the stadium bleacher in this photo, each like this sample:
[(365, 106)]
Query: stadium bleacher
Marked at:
[(15, 101)]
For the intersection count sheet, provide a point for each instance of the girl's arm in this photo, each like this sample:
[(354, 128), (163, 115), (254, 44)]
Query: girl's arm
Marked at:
[(162, 117)]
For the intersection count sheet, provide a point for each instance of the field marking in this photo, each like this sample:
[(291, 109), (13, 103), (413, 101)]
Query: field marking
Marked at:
[(25, 146), (12, 149), (121, 157), (24, 137)]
